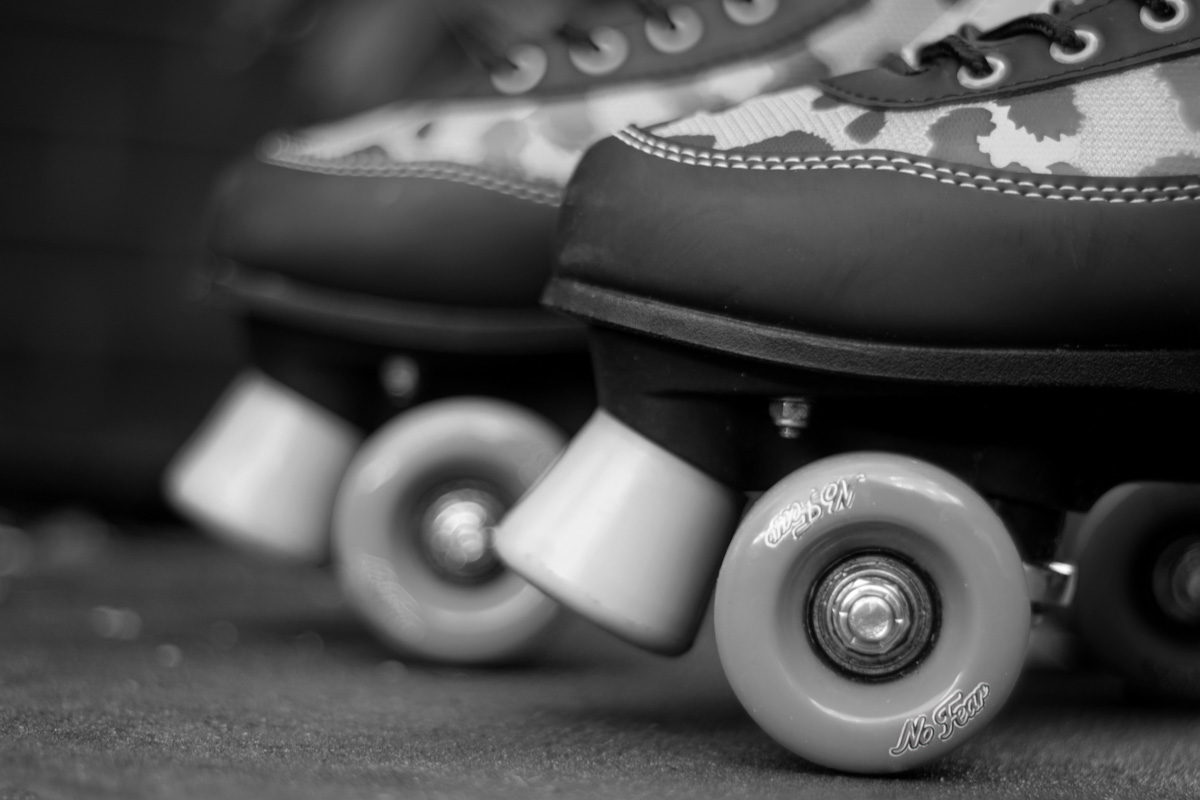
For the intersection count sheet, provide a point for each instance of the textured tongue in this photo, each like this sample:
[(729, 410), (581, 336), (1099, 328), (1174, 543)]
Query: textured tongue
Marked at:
[(981, 14)]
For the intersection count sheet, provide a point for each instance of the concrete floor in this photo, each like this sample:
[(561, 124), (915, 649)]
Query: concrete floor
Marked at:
[(159, 665)]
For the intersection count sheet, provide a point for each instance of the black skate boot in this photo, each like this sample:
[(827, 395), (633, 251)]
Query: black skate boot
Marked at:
[(929, 310)]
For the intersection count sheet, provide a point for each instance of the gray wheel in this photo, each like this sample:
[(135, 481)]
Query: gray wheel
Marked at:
[(413, 530), (1137, 602), (872, 612)]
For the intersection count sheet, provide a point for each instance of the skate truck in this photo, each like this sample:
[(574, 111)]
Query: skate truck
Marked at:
[(839, 295)]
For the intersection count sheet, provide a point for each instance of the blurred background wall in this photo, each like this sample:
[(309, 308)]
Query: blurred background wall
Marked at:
[(116, 116)]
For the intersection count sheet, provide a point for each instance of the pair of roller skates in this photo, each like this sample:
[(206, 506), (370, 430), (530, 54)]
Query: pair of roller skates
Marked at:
[(928, 310), (406, 388), (935, 306)]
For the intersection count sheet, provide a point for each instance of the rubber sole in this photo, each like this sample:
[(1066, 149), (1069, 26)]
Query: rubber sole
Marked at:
[(1163, 370), (385, 321)]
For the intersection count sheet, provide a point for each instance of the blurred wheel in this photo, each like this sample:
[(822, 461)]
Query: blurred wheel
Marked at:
[(1137, 603), (413, 530)]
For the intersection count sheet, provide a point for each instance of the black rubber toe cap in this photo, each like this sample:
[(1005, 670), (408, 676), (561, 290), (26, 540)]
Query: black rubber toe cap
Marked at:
[(870, 246), (438, 235)]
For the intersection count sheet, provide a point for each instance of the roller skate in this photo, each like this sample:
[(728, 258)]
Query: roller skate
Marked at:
[(929, 311), (392, 262)]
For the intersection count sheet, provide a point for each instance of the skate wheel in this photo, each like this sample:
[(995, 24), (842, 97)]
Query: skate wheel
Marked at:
[(1137, 602), (413, 528), (872, 612)]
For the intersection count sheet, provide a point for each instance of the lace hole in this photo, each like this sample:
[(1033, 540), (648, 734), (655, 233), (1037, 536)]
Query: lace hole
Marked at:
[(682, 34), (1091, 44), (750, 12), (1171, 23), (999, 70), (612, 48), (529, 67)]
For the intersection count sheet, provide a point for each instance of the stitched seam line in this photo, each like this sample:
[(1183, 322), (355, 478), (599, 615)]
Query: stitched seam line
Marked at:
[(913, 167), (449, 172)]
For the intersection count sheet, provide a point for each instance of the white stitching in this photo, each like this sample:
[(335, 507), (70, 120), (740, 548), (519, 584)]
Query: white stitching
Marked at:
[(654, 146)]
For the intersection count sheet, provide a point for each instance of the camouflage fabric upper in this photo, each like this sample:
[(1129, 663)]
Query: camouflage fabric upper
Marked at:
[(528, 146), (1141, 122)]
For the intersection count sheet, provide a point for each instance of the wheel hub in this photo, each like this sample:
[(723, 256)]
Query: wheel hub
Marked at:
[(873, 619), (872, 615), (1177, 580), (456, 532)]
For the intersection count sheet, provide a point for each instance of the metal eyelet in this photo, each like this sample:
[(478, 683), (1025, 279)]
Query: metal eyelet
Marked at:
[(682, 34), (1171, 23), (610, 52), (1091, 44), (999, 70), (750, 12), (529, 67)]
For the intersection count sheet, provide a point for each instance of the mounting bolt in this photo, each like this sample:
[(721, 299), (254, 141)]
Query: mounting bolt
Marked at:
[(790, 415), (401, 378)]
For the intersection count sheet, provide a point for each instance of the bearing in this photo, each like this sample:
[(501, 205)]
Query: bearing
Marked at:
[(456, 532), (873, 615), (1176, 580)]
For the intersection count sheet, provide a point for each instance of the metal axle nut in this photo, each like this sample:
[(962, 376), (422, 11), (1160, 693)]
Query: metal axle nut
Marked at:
[(790, 415)]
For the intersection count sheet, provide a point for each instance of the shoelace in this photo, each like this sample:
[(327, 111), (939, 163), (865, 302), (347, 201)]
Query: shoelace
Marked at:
[(494, 58), (962, 47)]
